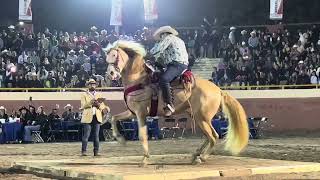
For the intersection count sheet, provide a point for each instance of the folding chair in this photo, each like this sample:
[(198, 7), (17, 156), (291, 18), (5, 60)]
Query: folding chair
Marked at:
[(55, 129), (256, 126), (223, 127), (71, 128), (107, 134), (36, 137), (169, 125), (129, 129), (153, 128), (182, 125)]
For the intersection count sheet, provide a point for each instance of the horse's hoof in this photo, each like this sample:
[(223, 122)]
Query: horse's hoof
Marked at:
[(145, 161), (142, 165), (197, 161), (204, 158)]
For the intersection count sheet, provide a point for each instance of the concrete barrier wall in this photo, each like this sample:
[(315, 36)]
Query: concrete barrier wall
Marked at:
[(287, 109)]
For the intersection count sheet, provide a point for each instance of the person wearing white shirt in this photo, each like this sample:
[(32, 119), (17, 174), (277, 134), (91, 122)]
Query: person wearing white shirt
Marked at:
[(23, 58)]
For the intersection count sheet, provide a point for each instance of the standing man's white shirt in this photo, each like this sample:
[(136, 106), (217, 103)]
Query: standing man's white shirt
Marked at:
[(94, 109)]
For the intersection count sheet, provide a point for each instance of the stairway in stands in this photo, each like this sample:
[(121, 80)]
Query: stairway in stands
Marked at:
[(203, 67)]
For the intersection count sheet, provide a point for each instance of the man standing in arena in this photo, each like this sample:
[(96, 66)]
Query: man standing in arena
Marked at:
[(94, 108)]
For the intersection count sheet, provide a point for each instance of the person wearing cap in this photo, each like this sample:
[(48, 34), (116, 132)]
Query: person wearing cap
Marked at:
[(253, 41), (71, 58), (68, 114), (173, 57), (93, 107)]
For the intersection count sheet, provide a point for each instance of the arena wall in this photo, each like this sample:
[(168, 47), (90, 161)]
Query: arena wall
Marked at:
[(288, 110)]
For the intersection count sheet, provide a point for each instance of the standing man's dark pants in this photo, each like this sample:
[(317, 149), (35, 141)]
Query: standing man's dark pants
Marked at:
[(95, 127)]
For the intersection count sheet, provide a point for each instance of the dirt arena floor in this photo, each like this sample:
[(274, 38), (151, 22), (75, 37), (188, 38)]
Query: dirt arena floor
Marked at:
[(287, 148)]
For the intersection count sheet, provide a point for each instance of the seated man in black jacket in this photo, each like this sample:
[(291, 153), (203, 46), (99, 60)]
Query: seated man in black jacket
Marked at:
[(32, 124)]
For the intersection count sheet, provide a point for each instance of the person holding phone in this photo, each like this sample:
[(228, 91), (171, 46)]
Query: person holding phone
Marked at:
[(93, 107)]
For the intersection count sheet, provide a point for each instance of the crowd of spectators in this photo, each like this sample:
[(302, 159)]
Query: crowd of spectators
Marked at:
[(57, 59), (36, 119), (251, 56), (256, 56)]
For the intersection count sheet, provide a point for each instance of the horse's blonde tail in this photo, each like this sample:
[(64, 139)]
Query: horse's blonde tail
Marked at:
[(238, 131)]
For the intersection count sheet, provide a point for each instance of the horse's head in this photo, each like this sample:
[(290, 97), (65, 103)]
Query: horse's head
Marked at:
[(118, 55), (117, 60)]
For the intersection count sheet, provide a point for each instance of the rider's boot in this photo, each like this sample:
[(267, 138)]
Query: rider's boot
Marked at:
[(168, 100)]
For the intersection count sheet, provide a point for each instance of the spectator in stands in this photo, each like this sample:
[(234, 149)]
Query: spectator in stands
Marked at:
[(53, 116), (1, 43), (253, 41), (314, 78), (214, 75), (23, 111), (232, 36), (50, 81), (32, 125), (213, 44), (3, 114), (42, 120), (303, 78), (68, 114), (34, 82), (203, 44)]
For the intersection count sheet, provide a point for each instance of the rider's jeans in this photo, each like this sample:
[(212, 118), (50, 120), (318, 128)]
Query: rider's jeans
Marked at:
[(174, 69)]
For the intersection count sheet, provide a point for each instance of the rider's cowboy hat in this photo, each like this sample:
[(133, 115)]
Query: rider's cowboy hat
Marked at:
[(164, 29)]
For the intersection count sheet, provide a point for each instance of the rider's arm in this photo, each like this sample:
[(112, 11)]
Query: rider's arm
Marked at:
[(162, 45)]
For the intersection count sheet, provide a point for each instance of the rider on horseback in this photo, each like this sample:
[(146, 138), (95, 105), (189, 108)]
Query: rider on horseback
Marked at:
[(174, 58)]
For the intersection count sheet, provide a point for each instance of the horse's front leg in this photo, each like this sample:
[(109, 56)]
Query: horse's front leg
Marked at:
[(143, 137), (115, 131)]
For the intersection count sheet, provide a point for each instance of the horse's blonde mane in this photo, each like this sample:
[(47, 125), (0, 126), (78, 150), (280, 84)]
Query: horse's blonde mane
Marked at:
[(131, 45)]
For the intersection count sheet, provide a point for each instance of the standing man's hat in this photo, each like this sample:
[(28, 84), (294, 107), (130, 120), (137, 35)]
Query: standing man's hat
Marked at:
[(91, 81)]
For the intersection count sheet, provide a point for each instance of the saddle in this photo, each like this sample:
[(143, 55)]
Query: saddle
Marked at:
[(184, 81), (186, 76)]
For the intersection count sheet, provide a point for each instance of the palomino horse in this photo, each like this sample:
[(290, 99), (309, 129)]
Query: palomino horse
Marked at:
[(202, 99)]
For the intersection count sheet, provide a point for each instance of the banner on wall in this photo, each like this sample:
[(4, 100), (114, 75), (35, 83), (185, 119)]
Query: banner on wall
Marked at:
[(116, 13), (25, 10), (276, 9), (150, 10)]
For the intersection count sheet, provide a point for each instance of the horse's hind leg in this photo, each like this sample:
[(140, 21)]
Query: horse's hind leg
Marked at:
[(211, 136), (199, 151)]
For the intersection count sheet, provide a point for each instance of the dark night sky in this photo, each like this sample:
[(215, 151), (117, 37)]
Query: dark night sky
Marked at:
[(77, 15)]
